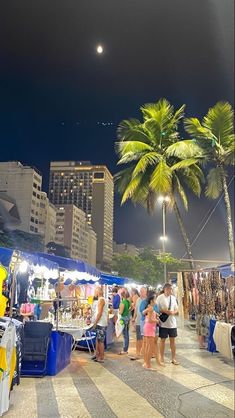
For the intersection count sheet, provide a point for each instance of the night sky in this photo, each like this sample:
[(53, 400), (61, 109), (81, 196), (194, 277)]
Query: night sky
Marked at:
[(55, 89)]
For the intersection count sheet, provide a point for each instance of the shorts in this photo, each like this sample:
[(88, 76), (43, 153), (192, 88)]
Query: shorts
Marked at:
[(116, 312), (139, 336), (100, 333), (167, 332), (142, 328)]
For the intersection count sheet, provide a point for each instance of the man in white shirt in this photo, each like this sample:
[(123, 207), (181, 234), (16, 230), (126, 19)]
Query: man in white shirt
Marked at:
[(167, 304)]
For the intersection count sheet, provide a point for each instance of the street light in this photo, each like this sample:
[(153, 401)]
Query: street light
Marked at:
[(164, 200)]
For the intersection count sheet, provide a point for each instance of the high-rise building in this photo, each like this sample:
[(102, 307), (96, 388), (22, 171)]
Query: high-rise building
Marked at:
[(90, 188), (73, 232), (47, 219), (23, 184)]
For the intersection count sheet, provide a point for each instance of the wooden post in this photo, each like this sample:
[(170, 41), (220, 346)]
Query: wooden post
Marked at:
[(180, 299)]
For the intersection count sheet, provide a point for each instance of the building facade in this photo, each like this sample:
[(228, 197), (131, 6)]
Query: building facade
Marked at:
[(124, 248), (23, 184), (73, 232), (90, 188), (47, 219)]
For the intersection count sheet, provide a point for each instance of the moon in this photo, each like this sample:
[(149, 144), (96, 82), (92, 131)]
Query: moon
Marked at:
[(99, 49)]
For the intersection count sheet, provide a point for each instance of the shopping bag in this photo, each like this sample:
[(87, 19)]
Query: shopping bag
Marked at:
[(119, 326)]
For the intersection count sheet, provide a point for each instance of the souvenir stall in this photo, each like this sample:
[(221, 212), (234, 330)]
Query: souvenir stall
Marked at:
[(208, 296)]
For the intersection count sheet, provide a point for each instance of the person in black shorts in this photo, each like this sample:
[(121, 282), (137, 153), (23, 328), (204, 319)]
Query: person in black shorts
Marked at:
[(167, 304)]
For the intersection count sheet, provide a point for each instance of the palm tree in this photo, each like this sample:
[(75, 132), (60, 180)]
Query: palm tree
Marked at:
[(153, 151), (215, 135)]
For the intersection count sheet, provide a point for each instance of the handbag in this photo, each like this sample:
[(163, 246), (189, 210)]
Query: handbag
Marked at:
[(163, 317), (119, 326)]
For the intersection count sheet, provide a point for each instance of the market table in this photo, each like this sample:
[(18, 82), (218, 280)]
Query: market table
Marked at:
[(59, 352)]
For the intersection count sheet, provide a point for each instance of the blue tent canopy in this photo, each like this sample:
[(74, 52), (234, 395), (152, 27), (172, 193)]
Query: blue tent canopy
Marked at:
[(111, 279), (5, 256), (226, 270), (31, 258)]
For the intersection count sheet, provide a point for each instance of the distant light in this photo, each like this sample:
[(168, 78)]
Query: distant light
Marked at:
[(163, 238), (23, 267), (100, 49), (162, 199)]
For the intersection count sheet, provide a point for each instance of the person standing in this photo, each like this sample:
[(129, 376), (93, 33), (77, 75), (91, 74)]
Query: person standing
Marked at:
[(116, 299), (168, 306), (134, 297), (124, 310), (137, 319), (150, 332), (101, 323)]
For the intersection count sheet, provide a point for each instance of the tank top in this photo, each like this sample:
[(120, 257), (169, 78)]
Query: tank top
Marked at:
[(103, 322)]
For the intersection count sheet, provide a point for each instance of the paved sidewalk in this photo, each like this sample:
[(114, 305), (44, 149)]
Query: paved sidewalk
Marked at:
[(202, 386)]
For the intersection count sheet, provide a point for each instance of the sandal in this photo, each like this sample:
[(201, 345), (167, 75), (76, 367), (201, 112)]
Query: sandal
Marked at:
[(121, 353), (176, 363)]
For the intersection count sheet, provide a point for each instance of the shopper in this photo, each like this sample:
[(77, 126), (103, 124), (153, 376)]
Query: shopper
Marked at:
[(124, 310), (150, 331), (134, 297), (167, 305), (137, 321), (101, 323), (116, 299)]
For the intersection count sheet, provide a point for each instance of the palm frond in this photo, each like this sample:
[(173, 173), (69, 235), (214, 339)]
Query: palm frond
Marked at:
[(192, 181), (132, 130), (137, 147), (131, 189), (181, 192), (161, 179), (184, 149), (183, 164), (198, 172), (219, 120), (229, 155), (214, 183), (148, 159), (196, 130), (123, 178)]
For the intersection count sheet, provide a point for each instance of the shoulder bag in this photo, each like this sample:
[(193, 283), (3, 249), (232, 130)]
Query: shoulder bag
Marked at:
[(163, 317)]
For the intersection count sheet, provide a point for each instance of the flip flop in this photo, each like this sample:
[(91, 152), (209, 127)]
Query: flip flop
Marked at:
[(176, 363)]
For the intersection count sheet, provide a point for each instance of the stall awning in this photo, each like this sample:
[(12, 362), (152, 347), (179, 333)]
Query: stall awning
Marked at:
[(5, 256), (111, 279), (226, 270), (73, 265), (32, 258)]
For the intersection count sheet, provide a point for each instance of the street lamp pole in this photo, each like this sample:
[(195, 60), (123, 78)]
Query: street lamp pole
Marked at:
[(164, 236)]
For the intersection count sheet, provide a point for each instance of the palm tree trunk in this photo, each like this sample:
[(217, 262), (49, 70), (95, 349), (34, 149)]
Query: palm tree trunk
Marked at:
[(229, 216), (184, 235)]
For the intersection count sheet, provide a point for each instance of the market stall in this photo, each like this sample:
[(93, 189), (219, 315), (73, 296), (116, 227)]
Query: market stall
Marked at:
[(208, 295)]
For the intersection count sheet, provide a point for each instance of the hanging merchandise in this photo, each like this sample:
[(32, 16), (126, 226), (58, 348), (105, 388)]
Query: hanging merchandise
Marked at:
[(7, 362), (3, 299)]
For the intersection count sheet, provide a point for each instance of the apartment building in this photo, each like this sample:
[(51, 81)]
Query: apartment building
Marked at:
[(23, 184), (47, 219), (90, 188), (73, 232)]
